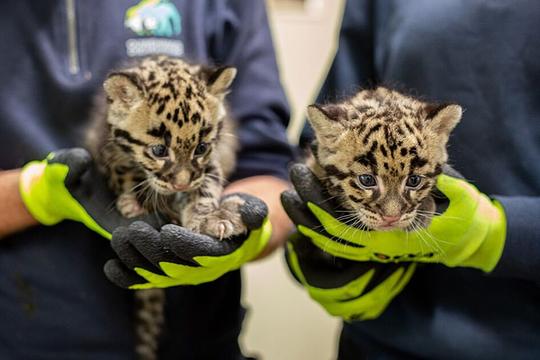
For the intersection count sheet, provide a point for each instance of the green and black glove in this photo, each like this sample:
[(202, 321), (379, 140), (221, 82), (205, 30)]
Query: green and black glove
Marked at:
[(352, 290), (470, 232), (66, 186), (172, 256)]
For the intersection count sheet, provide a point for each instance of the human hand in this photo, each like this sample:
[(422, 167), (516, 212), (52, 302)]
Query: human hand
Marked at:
[(67, 186), (470, 232), (172, 256), (351, 290)]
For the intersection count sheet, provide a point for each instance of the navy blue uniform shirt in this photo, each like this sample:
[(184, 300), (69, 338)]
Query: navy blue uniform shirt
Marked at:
[(54, 299), (485, 56)]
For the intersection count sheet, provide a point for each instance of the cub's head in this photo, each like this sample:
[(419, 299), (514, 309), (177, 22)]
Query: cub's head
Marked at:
[(381, 152), (167, 116)]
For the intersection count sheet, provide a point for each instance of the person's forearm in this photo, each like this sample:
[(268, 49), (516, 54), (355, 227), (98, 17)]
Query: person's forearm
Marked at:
[(268, 189), (13, 213)]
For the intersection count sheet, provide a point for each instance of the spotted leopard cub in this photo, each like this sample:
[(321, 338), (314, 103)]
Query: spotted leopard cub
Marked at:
[(379, 154), (163, 137), (166, 142)]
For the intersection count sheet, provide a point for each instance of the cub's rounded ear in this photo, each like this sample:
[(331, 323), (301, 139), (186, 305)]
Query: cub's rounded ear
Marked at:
[(324, 120), (325, 112), (125, 87), (443, 118), (218, 80)]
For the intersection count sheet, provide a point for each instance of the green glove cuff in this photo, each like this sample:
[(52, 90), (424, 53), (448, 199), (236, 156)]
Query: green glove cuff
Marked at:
[(44, 194), (211, 267), (34, 192), (489, 253)]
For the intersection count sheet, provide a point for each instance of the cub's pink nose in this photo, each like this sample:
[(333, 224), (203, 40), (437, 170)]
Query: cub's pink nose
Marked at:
[(390, 219)]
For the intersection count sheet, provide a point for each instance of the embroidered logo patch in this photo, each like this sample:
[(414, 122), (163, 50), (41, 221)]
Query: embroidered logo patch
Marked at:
[(157, 23)]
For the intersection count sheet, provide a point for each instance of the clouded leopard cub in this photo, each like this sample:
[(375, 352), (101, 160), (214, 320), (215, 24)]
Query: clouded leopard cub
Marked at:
[(379, 154), (163, 137)]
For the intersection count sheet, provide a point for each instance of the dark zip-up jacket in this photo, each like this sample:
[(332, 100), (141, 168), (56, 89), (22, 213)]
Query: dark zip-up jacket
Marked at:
[(54, 299), (483, 55)]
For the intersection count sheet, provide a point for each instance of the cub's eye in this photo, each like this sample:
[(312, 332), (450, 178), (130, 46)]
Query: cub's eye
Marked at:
[(159, 150), (413, 181), (367, 180), (201, 148)]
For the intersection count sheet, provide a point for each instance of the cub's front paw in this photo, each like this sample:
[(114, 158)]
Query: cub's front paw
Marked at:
[(128, 206), (222, 223)]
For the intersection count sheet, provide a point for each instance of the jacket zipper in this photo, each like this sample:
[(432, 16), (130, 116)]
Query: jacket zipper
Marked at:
[(72, 37)]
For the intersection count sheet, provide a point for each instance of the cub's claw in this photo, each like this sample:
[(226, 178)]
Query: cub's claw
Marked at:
[(222, 229)]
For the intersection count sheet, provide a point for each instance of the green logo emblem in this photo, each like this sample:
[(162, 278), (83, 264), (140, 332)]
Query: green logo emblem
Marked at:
[(154, 18)]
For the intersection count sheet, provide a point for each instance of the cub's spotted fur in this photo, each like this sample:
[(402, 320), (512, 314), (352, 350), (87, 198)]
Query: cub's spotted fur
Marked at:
[(166, 141), (163, 136), (379, 153)]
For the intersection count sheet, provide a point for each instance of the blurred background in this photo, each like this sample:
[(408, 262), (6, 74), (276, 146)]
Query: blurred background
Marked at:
[(282, 323)]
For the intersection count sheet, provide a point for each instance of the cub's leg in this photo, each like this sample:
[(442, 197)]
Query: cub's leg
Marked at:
[(205, 214), (126, 184)]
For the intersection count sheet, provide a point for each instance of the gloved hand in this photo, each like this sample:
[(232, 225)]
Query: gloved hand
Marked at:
[(351, 290), (66, 186), (470, 232), (173, 256)]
